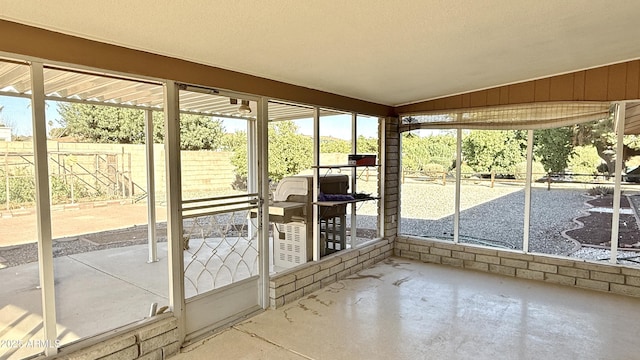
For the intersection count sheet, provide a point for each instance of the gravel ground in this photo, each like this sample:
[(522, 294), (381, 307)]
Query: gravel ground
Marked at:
[(492, 216), (624, 257)]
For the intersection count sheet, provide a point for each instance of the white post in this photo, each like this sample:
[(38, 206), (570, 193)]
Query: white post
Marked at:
[(43, 204), (152, 241), (174, 205), (615, 221), (527, 192), (263, 166), (456, 212), (354, 174), (382, 150), (316, 184)]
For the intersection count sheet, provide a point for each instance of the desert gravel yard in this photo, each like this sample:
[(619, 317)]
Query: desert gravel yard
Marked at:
[(493, 216)]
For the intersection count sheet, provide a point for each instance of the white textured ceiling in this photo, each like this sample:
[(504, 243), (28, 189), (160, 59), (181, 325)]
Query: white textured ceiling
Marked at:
[(386, 51)]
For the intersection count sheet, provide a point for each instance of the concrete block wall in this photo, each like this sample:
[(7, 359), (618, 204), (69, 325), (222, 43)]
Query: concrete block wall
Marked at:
[(302, 280), (153, 340), (564, 271), (391, 201)]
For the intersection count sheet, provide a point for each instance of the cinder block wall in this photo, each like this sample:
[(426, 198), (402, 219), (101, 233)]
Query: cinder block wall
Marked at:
[(153, 340), (391, 200), (302, 280), (571, 272)]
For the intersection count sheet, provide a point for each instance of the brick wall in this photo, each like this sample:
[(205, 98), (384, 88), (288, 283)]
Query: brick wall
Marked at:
[(153, 340), (302, 280), (564, 271)]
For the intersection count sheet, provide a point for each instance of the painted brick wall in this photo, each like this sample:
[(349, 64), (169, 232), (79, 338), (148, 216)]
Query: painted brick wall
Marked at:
[(564, 271), (154, 340)]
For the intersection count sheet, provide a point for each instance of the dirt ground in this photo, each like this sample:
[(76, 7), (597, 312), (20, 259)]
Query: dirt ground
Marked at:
[(597, 226)]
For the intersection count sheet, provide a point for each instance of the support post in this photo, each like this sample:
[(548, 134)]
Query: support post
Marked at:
[(527, 192), (316, 173), (174, 205), (354, 181), (456, 213), (43, 205), (263, 171), (615, 221), (152, 241)]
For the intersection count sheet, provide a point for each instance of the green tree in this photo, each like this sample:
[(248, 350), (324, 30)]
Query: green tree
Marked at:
[(109, 124), (289, 151), (418, 152), (585, 160), (366, 145), (333, 145), (102, 124), (553, 148), (494, 150), (601, 135)]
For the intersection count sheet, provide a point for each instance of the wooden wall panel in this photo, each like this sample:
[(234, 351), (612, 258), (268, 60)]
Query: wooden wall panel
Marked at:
[(561, 88), (493, 96), (466, 100), (633, 80), (522, 93), (440, 104), (542, 90), (453, 102), (478, 99), (578, 85), (595, 84), (504, 95), (606, 83), (617, 82)]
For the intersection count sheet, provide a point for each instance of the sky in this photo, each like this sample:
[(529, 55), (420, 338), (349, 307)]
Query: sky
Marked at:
[(16, 113)]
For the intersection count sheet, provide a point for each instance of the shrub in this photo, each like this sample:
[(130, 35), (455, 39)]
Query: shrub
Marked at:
[(433, 169), (600, 190), (22, 187), (520, 170), (603, 168), (61, 190)]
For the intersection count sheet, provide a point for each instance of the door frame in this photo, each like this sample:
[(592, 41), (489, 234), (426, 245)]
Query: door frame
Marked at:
[(245, 296)]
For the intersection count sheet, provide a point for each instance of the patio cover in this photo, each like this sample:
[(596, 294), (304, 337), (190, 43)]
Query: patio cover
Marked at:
[(104, 89)]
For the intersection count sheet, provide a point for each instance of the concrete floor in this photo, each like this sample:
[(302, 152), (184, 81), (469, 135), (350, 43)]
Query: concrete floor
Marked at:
[(401, 309)]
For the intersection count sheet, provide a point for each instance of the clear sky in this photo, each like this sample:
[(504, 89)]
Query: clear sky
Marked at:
[(16, 113)]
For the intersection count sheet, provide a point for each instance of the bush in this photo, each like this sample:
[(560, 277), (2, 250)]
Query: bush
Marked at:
[(603, 168), (22, 187), (433, 169), (600, 190), (520, 170), (61, 190), (466, 171)]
